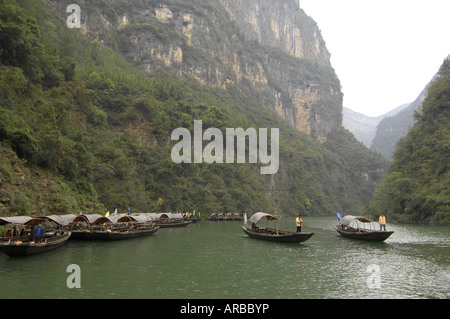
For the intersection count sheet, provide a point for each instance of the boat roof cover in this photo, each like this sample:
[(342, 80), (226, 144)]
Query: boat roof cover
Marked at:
[(346, 220), (166, 215), (141, 218), (257, 216), (90, 218), (14, 220), (62, 220), (113, 218)]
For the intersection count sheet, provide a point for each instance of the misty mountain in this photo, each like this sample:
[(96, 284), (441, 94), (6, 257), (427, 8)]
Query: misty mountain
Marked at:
[(364, 127), (392, 128)]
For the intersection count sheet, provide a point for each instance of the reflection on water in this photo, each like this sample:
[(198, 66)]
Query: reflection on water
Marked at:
[(217, 260)]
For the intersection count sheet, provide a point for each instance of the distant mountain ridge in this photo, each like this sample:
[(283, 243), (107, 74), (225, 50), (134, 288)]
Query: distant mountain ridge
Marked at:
[(381, 133), (364, 127), (391, 129)]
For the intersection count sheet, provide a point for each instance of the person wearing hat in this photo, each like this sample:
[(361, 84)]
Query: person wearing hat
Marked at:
[(299, 223)]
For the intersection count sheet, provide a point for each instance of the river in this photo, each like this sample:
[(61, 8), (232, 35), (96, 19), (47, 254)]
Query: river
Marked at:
[(217, 260)]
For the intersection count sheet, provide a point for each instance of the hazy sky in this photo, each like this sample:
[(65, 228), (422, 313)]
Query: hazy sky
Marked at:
[(383, 51)]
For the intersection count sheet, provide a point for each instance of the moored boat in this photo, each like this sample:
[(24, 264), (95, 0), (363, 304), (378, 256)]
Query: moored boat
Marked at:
[(273, 234), (356, 227), (167, 220), (114, 233), (21, 242), (116, 227), (29, 247)]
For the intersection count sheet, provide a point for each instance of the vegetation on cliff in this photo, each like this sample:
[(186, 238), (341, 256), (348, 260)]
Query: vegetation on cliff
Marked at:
[(417, 187), (81, 129)]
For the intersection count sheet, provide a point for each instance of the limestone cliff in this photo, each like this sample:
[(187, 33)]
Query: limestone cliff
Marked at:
[(272, 47), (280, 24)]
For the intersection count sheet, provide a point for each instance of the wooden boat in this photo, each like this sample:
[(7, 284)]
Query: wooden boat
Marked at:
[(23, 243), (273, 234), (116, 227), (167, 220), (350, 226), (113, 233), (172, 223), (29, 247)]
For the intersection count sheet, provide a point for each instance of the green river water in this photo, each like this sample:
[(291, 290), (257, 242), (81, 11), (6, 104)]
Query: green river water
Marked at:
[(217, 260)]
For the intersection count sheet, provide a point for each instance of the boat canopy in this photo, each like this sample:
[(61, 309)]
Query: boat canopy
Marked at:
[(62, 220), (20, 220), (257, 216), (90, 218), (166, 216), (141, 218), (114, 218), (346, 220)]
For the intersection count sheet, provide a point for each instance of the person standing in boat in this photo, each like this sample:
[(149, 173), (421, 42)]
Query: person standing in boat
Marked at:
[(38, 233), (299, 223), (382, 221)]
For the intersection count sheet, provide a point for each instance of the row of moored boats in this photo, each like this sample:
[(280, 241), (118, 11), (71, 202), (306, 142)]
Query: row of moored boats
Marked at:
[(23, 237)]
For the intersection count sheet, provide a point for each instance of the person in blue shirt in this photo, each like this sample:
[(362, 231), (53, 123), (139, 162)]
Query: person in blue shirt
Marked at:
[(38, 233)]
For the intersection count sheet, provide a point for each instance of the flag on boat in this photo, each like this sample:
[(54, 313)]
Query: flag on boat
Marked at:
[(245, 218), (107, 214), (339, 216)]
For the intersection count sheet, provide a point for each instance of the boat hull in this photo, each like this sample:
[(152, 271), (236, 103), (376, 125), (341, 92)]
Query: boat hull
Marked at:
[(173, 224), (27, 248), (284, 237), (111, 235), (366, 235)]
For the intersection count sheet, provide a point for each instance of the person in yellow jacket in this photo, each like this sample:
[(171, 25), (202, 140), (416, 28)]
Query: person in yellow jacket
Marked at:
[(299, 223), (382, 221)]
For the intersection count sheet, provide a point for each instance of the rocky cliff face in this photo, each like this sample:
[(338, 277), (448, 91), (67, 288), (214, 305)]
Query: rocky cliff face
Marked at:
[(272, 47), (282, 25)]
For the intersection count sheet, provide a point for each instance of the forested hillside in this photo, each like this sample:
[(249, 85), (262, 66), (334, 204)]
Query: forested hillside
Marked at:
[(83, 129), (417, 188), (392, 128)]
